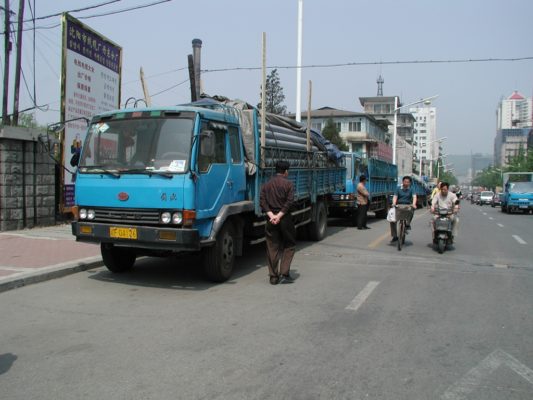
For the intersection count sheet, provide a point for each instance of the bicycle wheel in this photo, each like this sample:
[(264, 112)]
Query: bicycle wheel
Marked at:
[(401, 234)]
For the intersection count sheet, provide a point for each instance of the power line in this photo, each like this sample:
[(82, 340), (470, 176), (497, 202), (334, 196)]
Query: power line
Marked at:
[(125, 9), (361, 63), (92, 16), (72, 11)]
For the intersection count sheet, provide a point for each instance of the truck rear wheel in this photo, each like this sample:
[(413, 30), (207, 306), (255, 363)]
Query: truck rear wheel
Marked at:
[(218, 260), (317, 228), (117, 259)]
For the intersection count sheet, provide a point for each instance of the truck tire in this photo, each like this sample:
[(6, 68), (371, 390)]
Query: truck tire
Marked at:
[(354, 217), (117, 259), (382, 214), (218, 260), (317, 228)]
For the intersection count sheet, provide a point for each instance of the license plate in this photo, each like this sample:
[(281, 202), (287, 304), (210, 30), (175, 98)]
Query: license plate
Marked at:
[(123, 233)]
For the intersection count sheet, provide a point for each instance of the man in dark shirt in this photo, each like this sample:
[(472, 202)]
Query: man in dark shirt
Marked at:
[(404, 196), (276, 199)]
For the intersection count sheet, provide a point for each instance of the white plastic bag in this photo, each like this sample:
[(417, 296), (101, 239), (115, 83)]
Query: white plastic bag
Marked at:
[(391, 215)]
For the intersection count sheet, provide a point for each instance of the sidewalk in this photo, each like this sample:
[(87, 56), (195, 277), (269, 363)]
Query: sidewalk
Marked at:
[(39, 254)]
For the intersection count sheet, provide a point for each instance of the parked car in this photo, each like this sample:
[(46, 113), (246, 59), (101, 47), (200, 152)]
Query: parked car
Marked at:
[(496, 200), (485, 197)]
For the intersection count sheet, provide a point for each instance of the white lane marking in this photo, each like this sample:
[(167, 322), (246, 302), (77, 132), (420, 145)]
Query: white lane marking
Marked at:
[(500, 225), (491, 218), (484, 213), (500, 266), (362, 296), (519, 239), (477, 375)]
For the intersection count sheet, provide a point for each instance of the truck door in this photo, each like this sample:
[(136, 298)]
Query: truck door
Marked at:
[(237, 179), (213, 170)]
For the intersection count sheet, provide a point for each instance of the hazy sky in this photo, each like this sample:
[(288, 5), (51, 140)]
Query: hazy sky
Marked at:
[(158, 38)]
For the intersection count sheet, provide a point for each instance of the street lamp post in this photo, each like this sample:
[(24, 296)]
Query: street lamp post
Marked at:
[(440, 140), (396, 108)]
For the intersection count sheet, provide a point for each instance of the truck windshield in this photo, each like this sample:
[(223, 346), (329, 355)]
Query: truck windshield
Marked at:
[(522, 187), (138, 145)]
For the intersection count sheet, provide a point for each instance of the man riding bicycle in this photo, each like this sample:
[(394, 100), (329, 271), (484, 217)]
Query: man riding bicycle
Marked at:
[(404, 197)]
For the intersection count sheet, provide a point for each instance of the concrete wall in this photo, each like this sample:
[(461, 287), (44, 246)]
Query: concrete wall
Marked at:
[(27, 180)]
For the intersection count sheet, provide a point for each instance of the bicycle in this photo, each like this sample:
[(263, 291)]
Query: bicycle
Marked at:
[(403, 213)]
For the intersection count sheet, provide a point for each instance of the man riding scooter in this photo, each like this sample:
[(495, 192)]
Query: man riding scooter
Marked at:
[(445, 200)]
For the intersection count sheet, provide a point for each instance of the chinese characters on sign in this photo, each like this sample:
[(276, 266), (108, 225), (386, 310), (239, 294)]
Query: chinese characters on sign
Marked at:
[(91, 72)]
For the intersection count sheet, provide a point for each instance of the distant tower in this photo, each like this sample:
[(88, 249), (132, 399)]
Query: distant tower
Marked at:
[(380, 82)]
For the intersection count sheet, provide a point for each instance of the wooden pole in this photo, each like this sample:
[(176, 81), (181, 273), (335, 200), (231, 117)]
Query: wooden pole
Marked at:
[(147, 98), (7, 49), (18, 66), (309, 116), (263, 103), (191, 77)]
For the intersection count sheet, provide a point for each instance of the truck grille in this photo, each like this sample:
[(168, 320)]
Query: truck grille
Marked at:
[(126, 216)]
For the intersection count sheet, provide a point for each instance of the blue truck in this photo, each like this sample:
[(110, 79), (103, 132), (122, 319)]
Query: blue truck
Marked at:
[(161, 181), (381, 184), (421, 190), (517, 192)]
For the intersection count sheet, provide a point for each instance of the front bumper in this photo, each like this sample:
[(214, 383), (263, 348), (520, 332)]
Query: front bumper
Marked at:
[(142, 237)]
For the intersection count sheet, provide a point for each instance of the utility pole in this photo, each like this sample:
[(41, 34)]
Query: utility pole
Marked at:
[(147, 99), (7, 50), (299, 63), (191, 77), (18, 67)]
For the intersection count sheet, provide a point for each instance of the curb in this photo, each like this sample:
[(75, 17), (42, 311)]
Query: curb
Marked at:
[(52, 272)]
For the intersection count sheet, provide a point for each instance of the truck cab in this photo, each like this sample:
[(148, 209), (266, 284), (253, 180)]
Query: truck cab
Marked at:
[(154, 181)]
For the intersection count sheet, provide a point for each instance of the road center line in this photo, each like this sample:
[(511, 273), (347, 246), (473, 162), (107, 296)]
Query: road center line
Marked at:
[(491, 218), (500, 225), (519, 239), (484, 213), (362, 296)]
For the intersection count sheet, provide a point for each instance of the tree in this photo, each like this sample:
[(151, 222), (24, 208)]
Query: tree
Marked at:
[(274, 95), (331, 133)]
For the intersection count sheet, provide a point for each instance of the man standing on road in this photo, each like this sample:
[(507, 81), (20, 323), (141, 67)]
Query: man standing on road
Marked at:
[(276, 199), (362, 203), (405, 196)]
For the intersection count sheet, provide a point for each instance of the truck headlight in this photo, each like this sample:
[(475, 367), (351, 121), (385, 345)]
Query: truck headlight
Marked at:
[(166, 217), (177, 218), (91, 214), (83, 213)]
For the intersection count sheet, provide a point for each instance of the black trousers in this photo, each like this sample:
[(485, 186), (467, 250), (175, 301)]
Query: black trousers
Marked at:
[(362, 210), (281, 245)]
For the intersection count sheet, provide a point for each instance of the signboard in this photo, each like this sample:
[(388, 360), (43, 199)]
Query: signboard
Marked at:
[(90, 84)]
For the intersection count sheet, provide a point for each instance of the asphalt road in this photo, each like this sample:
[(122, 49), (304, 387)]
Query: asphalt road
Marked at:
[(362, 321)]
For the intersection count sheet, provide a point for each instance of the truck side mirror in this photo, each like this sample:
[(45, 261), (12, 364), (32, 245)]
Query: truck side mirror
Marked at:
[(207, 143)]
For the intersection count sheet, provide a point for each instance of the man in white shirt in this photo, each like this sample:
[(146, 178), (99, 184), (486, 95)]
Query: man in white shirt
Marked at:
[(446, 199)]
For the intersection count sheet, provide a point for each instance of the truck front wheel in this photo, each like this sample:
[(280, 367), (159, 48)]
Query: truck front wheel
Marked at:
[(218, 260), (117, 259), (317, 228)]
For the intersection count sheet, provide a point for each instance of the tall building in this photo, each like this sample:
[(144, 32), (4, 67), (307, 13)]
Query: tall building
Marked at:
[(426, 146), (514, 122), (515, 111)]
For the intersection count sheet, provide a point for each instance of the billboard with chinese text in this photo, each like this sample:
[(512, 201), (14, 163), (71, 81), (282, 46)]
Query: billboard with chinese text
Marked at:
[(90, 84)]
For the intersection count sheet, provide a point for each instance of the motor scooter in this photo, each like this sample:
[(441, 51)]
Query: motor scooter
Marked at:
[(443, 228)]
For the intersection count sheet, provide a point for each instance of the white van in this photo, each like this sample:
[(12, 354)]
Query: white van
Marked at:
[(485, 197)]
